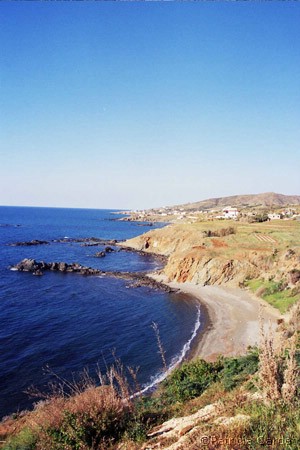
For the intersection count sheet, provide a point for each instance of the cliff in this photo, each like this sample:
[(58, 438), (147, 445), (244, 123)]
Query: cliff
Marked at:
[(222, 252)]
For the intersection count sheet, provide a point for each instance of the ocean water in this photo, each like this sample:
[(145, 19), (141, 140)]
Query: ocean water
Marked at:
[(70, 322)]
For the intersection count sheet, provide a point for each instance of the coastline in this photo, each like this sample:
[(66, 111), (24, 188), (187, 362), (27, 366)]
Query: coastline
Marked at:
[(232, 318)]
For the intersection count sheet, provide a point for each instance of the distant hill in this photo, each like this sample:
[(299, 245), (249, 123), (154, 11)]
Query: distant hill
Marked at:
[(267, 199)]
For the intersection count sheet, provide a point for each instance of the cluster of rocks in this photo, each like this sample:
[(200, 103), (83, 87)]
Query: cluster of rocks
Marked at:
[(86, 242), (8, 225), (140, 279), (104, 252), (39, 267), (100, 242), (147, 224), (28, 243), (162, 258)]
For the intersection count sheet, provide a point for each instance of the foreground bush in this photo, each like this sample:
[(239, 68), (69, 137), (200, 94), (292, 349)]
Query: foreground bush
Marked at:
[(94, 418), (238, 370), (191, 379), (109, 416), (274, 426), (25, 440)]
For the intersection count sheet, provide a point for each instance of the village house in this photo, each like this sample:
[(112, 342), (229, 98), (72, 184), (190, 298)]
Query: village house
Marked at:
[(230, 213), (274, 216)]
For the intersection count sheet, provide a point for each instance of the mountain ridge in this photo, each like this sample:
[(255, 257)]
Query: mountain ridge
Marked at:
[(266, 199)]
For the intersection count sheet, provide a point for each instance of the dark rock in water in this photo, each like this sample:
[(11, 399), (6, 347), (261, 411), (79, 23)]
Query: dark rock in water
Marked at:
[(7, 225), (100, 254), (54, 266), (62, 267), (92, 243), (28, 243), (31, 265), (150, 224), (161, 258), (38, 268), (27, 265), (38, 272), (87, 242), (103, 253)]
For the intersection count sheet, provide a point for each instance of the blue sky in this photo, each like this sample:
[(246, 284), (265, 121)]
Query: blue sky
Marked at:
[(133, 105)]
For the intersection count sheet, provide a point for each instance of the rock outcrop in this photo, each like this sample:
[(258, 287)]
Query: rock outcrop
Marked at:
[(31, 265), (86, 242), (137, 279), (28, 243)]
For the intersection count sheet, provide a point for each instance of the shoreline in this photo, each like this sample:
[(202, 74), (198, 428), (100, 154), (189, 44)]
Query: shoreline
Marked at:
[(232, 319)]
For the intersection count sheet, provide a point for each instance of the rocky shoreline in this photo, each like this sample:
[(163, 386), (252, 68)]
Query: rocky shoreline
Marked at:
[(138, 279), (86, 242)]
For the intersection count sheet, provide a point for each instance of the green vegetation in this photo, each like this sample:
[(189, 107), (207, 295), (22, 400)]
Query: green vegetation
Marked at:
[(190, 380), (26, 439), (275, 293), (194, 377), (273, 426), (102, 418), (238, 370), (109, 417), (98, 418), (220, 233), (254, 399)]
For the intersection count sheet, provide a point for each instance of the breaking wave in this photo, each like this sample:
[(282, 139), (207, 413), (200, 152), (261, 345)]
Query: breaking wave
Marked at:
[(160, 376)]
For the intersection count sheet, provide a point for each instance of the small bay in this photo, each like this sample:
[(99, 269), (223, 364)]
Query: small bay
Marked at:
[(69, 322)]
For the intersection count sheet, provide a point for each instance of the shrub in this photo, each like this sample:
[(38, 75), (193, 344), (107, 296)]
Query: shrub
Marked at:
[(294, 276), (191, 379), (274, 426), (25, 440), (82, 415), (261, 218), (220, 233), (237, 370), (97, 416)]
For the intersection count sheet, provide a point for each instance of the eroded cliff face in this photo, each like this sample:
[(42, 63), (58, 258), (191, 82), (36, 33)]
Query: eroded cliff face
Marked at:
[(202, 268), (231, 259)]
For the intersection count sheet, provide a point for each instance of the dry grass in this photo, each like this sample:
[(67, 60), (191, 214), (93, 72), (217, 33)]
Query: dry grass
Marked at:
[(278, 368), (291, 374), (159, 344), (269, 374), (82, 414)]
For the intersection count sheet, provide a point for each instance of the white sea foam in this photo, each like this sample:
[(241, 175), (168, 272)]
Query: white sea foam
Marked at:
[(159, 377), (14, 269)]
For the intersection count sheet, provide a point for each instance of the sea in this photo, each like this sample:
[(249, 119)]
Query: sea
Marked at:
[(56, 326)]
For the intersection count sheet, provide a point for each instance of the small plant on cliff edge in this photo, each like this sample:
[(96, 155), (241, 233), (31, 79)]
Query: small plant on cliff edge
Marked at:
[(238, 370), (25, 440), (191, 379), (160, 346), (278, 367)]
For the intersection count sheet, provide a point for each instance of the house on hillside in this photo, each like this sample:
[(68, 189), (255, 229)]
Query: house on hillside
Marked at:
[(230, 213), (274, 216)]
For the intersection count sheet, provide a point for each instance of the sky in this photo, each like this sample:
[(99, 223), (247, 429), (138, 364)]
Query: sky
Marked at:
[(137, 105)]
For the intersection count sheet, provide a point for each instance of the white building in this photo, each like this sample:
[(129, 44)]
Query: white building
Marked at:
[(230, 213), (274, 216)]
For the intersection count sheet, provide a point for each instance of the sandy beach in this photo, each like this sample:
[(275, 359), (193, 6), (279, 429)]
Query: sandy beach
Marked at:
[(233, 318)]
